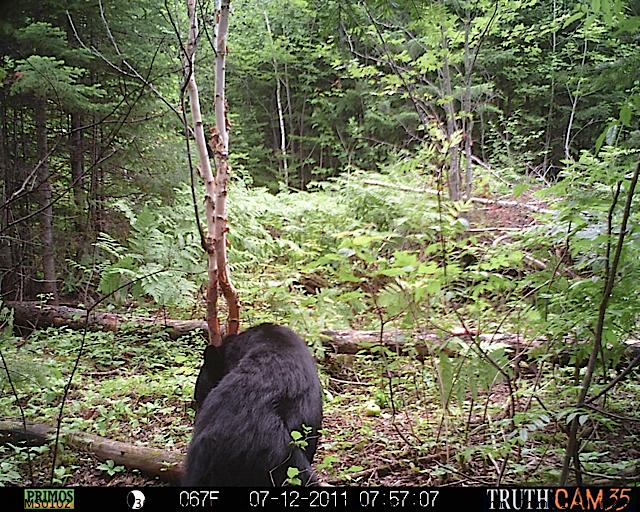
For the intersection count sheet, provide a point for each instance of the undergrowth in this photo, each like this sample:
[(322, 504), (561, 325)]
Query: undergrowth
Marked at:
[(492, 331)]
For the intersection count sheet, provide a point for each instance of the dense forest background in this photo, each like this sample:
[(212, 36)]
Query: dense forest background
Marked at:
[(457, 167)]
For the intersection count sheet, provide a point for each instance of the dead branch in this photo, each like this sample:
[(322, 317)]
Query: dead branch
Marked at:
[(480, 200)]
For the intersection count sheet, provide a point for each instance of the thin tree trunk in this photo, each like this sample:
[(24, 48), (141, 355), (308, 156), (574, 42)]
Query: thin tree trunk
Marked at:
[(283, 139), (3, 145), (571, 453), (95, 192), (46, 217), (7, 273), (13, 273), (216, 189), (454, 177), (574, 106), (206, 173), (291, 143), (466, 107), (76, 160), (223, 169), (301, 172), (547, 141)]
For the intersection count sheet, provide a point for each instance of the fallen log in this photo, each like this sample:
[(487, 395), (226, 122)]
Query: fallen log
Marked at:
[(29, 316), (151, 461), (34, 315), (424, 344), (480, 200)]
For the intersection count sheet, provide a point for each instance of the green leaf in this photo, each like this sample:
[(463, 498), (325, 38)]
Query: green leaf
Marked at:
[(625, 115), (572, 18), (362, 240), (519, 189), (346, 252)]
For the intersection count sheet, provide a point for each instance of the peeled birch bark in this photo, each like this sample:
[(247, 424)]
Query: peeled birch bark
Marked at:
[(220, 145), (205, 171), (215, 187)]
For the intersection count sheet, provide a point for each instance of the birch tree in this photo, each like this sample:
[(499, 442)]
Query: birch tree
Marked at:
[(283, 140), (216, 188), (220, 146)]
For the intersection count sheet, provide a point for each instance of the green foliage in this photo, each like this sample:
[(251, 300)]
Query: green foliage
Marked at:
[(8, 471), (299, 440), (126, 384), (25, 371), (47, 77), (292, 477), (288, 228), (42, 38), (110, 468), (588, 226), (476, 367), (44, 72), (162, 257), (549, 91), (527, 423), (399, 272), (364, 97)]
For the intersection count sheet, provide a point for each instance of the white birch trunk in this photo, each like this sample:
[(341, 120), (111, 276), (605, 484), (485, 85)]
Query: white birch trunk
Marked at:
[(220, 143), (283, 139), (205, 170), (215, 187)]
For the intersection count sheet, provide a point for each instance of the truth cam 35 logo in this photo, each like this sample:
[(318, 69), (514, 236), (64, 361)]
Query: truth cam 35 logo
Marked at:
[(571, 499)]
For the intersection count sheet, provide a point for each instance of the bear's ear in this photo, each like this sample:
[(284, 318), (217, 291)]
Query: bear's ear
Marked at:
[(213, 358), (210, 375), (228, 339)]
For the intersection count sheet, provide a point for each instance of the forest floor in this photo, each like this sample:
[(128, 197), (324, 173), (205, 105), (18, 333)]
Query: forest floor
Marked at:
[(392, 450), (410, 442), (384, 451)]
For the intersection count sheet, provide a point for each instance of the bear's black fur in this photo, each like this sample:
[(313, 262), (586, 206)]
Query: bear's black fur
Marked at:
[(251, 393)]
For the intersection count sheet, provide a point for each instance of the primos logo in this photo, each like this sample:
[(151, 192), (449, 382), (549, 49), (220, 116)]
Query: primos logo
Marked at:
[(48, 498)]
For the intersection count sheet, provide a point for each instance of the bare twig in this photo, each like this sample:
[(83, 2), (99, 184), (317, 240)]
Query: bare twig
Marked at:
[(480, 200)]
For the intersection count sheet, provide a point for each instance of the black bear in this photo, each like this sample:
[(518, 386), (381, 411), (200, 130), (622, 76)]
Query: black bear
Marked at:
[(252, 392)]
